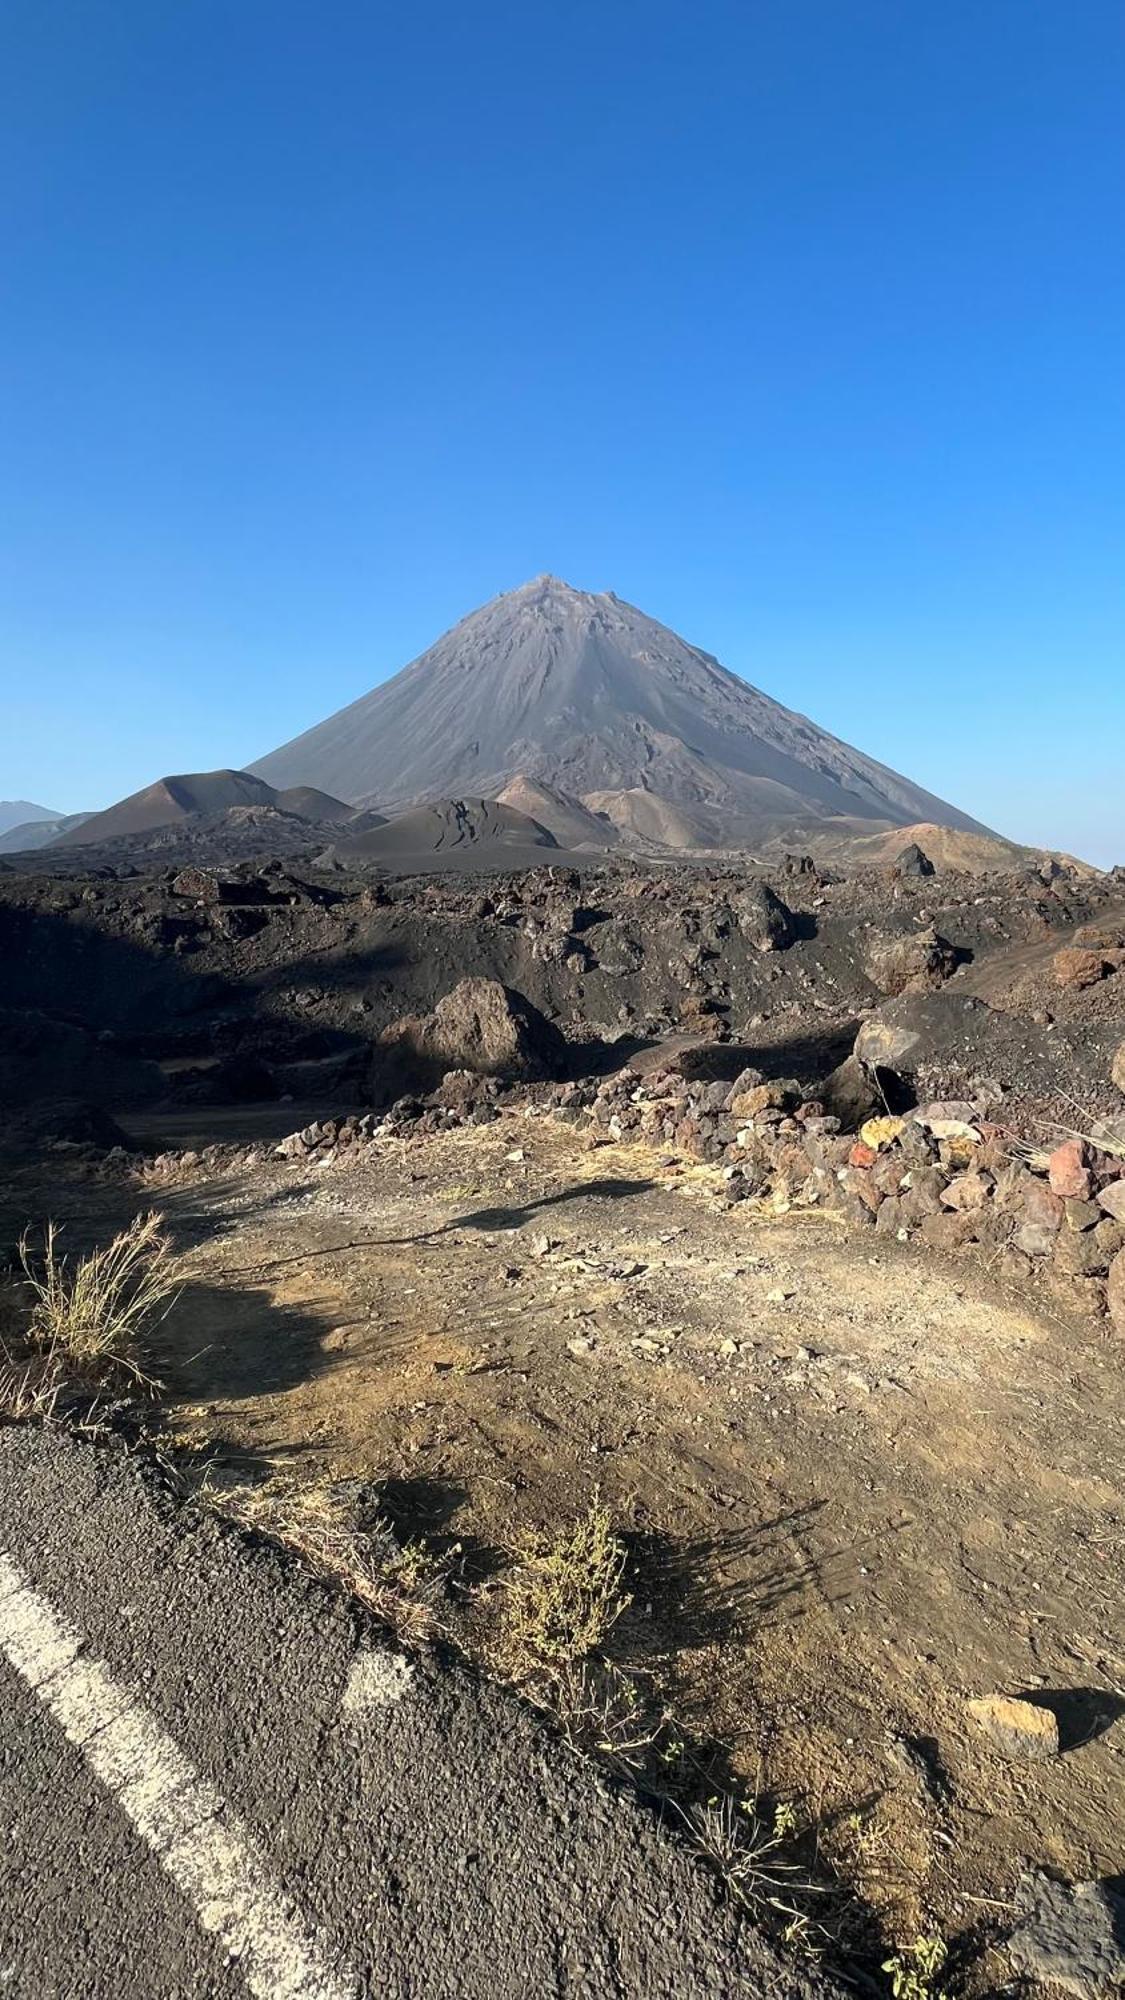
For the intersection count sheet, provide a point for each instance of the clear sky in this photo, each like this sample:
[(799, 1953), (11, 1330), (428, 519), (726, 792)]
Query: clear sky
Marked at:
[(800, 323)]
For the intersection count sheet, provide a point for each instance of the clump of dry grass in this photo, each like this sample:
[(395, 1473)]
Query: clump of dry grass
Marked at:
[(30, 1385), (558, 1607), (565, 1596), (328, 1527), (86, 1322)]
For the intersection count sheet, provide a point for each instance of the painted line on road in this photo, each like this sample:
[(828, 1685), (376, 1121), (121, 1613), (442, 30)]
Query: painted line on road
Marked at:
[(195, 1836)]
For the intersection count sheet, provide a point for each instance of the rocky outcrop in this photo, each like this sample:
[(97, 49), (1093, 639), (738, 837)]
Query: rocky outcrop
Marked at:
[(481, 1026), (916, 963)]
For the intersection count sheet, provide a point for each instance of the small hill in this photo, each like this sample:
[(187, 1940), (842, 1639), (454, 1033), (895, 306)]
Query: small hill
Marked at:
[(642, 818), (451, 833), (947, 847), (305, 802), (573, 822), (197, 795)]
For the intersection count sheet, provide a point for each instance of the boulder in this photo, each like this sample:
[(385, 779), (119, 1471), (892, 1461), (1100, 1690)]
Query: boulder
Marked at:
[(881, 1132), (781, 1093), (918, 962), (883, 1044), (1075, 969), (1112, 1200), (1069, 1936), (763, 919), (913, 862), (966, 1192), (481, 1026), (1041, 1220), (850, 1094)]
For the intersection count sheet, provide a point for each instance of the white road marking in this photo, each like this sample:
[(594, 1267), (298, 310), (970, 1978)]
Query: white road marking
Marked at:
[(213, 1859)]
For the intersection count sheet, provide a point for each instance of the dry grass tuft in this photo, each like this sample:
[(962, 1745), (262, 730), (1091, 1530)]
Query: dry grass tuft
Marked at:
[(89, 1317), (557, 1609), (564, 1598), (30, 1386), (83, 1332), (343, 1542)]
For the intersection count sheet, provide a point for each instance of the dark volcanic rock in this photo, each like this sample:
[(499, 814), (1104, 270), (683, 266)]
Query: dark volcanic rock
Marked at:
[(912, 861), (1070, 1935)]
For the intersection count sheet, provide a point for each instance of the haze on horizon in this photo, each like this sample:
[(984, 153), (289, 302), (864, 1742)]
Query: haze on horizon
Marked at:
[(802, 333)]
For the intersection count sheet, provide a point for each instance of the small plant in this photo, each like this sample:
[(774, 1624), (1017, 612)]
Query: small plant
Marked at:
[(558, 1608), (88, 1318), (565, 1597), (328, 1526), (914, 1970), (748, 1847)]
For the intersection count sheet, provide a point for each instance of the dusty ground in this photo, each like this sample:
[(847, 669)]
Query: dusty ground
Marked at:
[(860, 1487)]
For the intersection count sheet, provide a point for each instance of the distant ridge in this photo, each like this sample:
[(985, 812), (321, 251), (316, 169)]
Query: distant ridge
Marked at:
[(23, 812), (36, 833), (586, 696)]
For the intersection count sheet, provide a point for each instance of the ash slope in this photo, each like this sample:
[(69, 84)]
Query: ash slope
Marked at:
[(584, 693)]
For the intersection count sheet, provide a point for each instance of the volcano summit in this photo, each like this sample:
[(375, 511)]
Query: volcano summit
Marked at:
[(581, 693)]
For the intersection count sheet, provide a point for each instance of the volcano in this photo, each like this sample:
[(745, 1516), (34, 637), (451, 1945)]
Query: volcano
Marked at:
[(581, 693)]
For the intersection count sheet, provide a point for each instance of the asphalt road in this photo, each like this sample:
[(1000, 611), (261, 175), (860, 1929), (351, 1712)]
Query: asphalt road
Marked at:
[(214, 1780)]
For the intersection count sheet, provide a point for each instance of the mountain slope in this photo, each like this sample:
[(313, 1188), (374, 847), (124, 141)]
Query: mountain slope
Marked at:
[(586, 694), (22, 812), (35, 833)]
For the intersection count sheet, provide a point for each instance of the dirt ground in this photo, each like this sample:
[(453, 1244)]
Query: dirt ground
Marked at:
[(859, 1486)]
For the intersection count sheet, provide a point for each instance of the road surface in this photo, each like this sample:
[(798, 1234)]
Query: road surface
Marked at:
[(215, 1780)]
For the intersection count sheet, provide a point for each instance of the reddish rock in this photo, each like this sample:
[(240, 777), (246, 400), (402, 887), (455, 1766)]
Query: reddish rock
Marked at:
[(1041, 1220), (1112, 1200), (861, 1155), (1076, 969), (1069, 1172)]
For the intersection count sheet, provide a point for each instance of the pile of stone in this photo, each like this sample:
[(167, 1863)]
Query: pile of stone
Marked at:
[(462, 1098), (943, 1173)]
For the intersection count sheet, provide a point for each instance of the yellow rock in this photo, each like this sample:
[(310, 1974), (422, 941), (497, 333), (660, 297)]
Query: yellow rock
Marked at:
[(1018, 1728), (880, 1132)]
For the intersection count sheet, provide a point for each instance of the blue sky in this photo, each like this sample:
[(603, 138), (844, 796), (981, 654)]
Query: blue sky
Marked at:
[(800, 323)]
